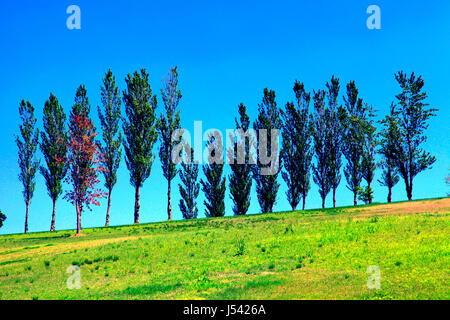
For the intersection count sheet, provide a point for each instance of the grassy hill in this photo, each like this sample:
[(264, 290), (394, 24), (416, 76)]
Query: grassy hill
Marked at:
[(317, 254)]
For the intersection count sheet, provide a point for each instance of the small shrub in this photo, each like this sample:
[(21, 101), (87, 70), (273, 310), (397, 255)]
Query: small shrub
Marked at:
[(47, 263), (240, 247), (271, 266)]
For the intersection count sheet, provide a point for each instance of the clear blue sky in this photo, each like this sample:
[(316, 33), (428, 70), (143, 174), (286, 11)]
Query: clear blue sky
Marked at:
[(227, 52)]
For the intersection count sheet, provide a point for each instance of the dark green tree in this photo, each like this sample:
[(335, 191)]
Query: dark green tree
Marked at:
[(240, 179), (353, 138), (189, 187), (268, 165), (304, 142), (321, 136), (412, 116), (140, 131), (336, 135), (112, 137), (214, 184), (168, 123), (368, 163), (54, 141), (2, 218), (27, 144)]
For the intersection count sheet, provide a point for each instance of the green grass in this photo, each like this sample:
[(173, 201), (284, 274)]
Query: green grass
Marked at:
[(317, 254)]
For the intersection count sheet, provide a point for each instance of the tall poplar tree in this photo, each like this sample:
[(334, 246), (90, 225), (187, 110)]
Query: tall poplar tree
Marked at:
[(54, 141), (304, 142), (240, 179), (189, 187), (168, 123), (336, 131), (388, 136), (27, 144), (368, 163), (214, 184), (353, 146), (412, 116), (140, 131), (112, 137), (266, 184), (321, 137)]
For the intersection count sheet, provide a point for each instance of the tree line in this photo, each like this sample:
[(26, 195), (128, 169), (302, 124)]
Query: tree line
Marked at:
[(322, 136)]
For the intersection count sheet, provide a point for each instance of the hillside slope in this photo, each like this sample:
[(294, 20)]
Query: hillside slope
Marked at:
[(317, 254)]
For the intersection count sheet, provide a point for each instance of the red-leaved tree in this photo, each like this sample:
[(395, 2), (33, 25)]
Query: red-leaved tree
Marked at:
[(84, 161)]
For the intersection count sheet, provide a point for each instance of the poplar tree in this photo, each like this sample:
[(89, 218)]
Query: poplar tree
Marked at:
[(140, 131), (83, 158), (240, 179), (304, 142), (321, 137), (112, 137), (214, 185), (412, 116), (266, 184), (189, 187), (168, 123), (290, 154), (336, 131), (27, 144), (368, 163), (54, 141), (353, 139)]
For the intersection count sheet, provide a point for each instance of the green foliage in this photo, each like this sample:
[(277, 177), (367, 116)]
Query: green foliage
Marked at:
[(240, 179), (109, 120), (365, 194), (54, 141), (368, 164), (167, 124), (2, 218), (321, 136), (267, 185), (335, 141), (214, 185), (27, 144), (189, 188), (296, 146), (140, 130), (410, 119), (388, 135), (352, 118)]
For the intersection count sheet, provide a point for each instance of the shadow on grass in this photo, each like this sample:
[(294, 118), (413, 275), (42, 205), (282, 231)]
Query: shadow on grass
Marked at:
[(151, 289), (246, 291)]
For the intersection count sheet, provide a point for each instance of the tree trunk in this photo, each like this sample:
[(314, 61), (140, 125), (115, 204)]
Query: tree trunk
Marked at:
[(26, 215), (389, 199), (107, 210), (136, 204), (52, 224), (169, 206), (78, 219), (323, 202), (334, 197), (370, 198), (304, 200), (355, 200), (410, 188)]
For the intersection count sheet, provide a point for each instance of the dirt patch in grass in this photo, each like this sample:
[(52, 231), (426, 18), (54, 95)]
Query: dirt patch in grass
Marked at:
[(405, 208), (67, 247)]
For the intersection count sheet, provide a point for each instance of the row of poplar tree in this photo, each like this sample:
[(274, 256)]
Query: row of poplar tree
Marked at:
[(315, 141)]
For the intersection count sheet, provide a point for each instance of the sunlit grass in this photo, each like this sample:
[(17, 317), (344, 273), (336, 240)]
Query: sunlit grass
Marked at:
[(319, 254)]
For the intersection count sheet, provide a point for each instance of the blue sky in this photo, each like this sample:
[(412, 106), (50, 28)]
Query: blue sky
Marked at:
[(227, 52)]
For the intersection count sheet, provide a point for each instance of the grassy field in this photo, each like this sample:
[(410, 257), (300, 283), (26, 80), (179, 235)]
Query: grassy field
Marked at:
[(317, 254)]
